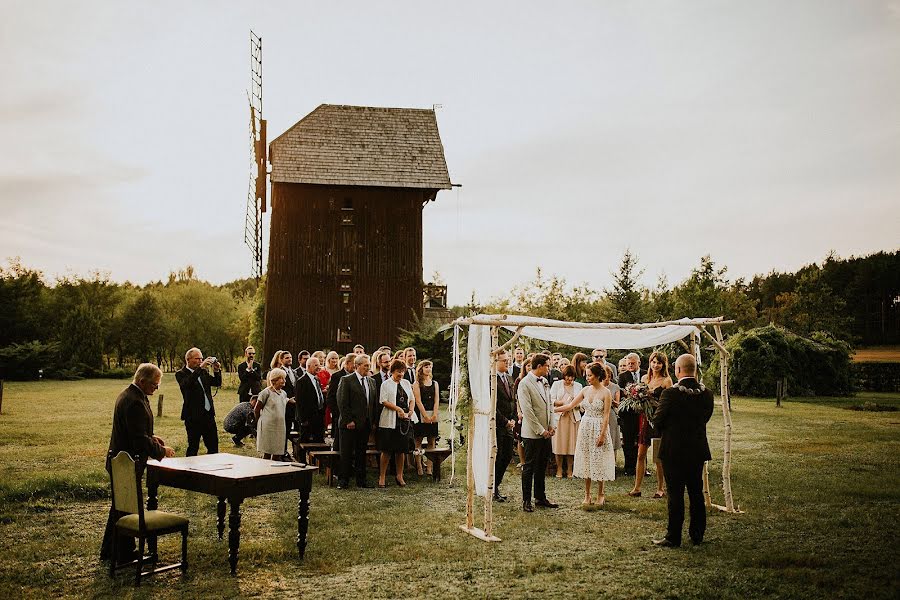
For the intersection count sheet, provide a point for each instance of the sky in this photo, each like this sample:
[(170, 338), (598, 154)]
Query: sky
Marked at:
[(764, 133)]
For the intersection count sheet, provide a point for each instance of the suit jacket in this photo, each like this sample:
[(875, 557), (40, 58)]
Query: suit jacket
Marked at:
[(290, 387), (132, 427), (331, 399), (681, 418), (352, 402), (534, 402), (506, 407), (516, 370), (251, 380), (554, 376), (614, 369), (308, 410), (194, 408), (410, 375)]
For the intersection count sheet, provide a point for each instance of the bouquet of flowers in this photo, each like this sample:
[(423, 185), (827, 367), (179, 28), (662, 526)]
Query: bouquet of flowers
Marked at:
[(640, 399)]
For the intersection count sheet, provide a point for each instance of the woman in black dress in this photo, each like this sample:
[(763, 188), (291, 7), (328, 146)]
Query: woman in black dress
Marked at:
[(395, 426), (427, 394)]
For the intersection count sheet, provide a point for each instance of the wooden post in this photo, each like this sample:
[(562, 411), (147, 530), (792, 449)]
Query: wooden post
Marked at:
[(707, 499), (778, 392), (159, 405), (726, 415), (492, 432), (470, 476), (1, 396)]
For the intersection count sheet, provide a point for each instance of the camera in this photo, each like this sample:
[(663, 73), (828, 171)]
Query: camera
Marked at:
[(213, 360)]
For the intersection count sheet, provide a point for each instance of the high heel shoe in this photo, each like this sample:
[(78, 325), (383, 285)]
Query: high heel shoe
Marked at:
[(400, 483), (634, 494)]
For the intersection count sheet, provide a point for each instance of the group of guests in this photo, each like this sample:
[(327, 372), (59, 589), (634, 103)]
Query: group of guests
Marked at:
[(548, 404), (390, 399)]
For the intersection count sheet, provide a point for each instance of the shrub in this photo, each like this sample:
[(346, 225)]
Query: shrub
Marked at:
[(877, 377), (21, 362), (814, 366)]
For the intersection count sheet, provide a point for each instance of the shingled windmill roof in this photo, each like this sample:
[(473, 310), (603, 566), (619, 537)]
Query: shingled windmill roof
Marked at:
[(362, 145)]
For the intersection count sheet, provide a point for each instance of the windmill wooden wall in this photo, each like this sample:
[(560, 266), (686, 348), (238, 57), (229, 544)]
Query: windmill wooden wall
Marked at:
[(343, 258)]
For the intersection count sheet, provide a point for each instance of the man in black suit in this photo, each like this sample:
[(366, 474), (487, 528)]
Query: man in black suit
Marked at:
[(381, 362), (356, 402), (310, 404), (628, 419), (302, 357), (198, 411), (250, 376), (332, 402), (681, 417), (555, 374), (132, 432), (506, 420), (518, 362), (409, 356)]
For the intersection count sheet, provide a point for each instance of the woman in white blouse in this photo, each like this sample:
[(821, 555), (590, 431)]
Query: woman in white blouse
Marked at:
[(561, 393), (395, 426)]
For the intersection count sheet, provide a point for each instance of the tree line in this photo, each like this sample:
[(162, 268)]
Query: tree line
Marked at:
[(92, 326), (855, 300)]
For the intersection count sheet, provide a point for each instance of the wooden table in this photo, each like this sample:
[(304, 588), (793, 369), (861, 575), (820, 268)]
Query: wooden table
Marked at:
[(233, 477)]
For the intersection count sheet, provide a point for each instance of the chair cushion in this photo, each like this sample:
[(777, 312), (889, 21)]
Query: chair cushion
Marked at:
[(154, 519)]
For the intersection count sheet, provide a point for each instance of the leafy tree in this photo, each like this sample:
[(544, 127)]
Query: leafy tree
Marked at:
[(143, 333), (707, 293), (22, 304), (627, 296), (81, 335)]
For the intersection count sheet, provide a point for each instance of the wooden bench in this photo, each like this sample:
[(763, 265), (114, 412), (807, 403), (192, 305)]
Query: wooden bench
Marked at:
[(330, 460)]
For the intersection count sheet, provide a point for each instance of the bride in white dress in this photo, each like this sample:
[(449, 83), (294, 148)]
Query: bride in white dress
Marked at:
[(595, 459)]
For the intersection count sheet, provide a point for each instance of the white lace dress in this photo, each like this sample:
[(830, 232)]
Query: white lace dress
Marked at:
[(591, 462)]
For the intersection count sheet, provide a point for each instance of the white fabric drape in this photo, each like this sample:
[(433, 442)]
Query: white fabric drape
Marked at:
[(611, 339), (479, 357)]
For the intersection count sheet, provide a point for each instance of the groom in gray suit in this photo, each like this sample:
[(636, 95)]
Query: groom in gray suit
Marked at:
[(533, 396)]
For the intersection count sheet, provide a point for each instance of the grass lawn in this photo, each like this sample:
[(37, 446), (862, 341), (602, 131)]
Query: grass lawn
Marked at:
[(877, 354), (820, 485)]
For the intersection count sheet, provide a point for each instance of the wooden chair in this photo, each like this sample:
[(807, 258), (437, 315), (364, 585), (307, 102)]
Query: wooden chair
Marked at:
[(126, 476)]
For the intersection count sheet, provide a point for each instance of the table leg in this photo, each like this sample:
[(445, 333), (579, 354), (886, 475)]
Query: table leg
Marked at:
[(234, 533), (220, 511), (302, 522), (152, 504), (436, 469)]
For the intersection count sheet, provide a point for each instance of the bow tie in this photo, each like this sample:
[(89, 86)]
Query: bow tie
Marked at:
[(541, 379)]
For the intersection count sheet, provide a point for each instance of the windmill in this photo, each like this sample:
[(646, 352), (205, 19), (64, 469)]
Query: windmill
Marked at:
[(256, 191)]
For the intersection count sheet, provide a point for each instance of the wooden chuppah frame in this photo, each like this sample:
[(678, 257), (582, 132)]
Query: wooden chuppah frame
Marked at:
[(495, 323)]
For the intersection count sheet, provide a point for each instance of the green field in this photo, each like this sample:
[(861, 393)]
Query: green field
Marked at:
[(820, 485)]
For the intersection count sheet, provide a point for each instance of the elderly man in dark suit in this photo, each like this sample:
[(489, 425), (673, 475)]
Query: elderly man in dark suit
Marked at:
[(628, 419), (132, 432), (198, 411), (310, 409), (506, 420), (356, 401), (681, 417)]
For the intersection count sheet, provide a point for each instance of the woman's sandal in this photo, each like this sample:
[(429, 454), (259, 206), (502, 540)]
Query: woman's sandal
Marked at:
[(382, 486), (400, 483), (659, 494), (634, 494)]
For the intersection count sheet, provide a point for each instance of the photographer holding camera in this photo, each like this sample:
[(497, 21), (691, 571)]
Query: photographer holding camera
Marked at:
[(198, 411)]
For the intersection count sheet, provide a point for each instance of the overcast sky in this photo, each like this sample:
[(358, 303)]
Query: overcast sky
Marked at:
[(764, 133)]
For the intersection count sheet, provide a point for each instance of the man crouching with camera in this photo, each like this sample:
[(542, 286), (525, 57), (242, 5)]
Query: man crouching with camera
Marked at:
[(198, 411)]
